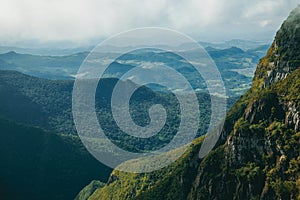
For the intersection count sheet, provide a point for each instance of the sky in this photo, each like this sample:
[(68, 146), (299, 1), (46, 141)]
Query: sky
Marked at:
[(83, 22)]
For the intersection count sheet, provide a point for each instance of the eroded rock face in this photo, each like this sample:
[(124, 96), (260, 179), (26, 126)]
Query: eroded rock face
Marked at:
[(288, 112), (244, 147), (279, 69), (274, 76), (267, 107), (292, 119), (249, 143), (285, 55)]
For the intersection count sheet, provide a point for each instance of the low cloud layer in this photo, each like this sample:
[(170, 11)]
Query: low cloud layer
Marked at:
[(82, 21)]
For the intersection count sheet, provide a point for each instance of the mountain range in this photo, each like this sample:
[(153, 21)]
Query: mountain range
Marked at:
[(257, 155), (236, 65)]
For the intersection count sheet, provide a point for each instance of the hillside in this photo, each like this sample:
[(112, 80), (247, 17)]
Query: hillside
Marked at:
[(42, 155), (257, 156), (37, 102), (41, 165), (47, 104)]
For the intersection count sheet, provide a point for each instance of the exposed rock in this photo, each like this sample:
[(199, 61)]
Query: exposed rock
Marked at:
[(284, 55), (267, 107), (292, 118)]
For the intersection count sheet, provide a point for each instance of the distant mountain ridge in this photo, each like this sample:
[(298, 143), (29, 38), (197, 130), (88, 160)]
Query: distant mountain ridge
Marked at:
[(48, 51), (235, 65), (45, 51), (239, 43)]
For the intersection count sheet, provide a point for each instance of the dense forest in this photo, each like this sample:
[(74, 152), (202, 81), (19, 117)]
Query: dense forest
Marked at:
[(39, 133)]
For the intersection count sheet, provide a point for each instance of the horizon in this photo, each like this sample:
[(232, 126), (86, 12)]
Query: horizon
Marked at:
[(56, 45)]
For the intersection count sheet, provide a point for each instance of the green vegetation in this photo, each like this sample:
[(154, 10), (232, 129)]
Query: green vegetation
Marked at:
[(87, 191), (47, 104), (42, 165), (162, 184)]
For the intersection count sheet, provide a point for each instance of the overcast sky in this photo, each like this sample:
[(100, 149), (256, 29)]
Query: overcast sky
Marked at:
[(85, 21)]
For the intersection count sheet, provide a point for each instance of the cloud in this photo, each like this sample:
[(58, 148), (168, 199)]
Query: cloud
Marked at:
[(79, 21)]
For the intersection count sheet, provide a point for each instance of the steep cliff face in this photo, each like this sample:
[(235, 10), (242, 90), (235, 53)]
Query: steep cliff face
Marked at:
[(261, 149), (282, 59), (293, 116), (284, 55), (257, 156)]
